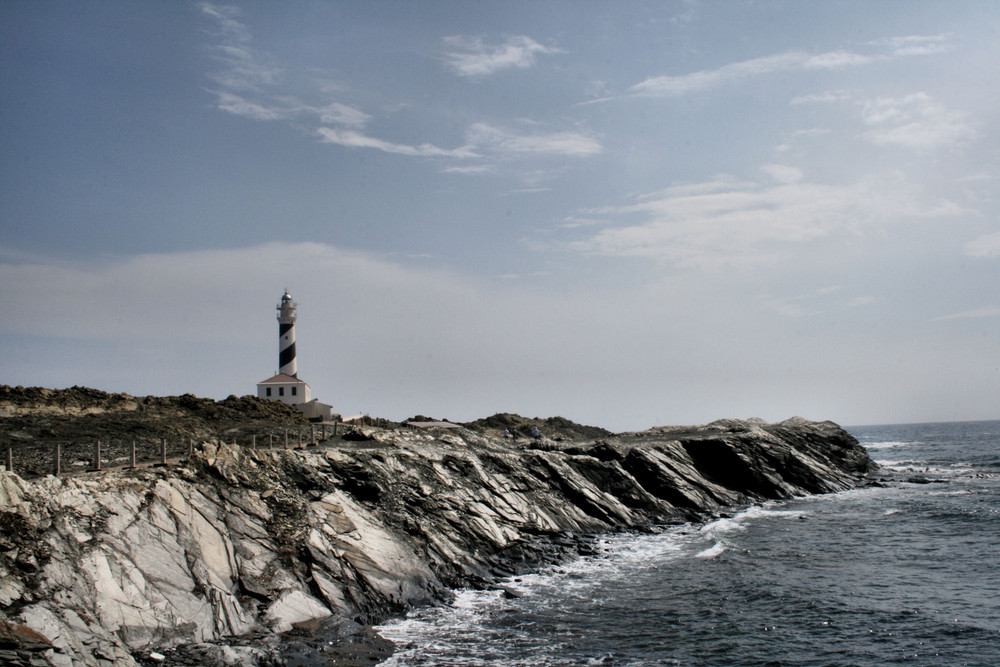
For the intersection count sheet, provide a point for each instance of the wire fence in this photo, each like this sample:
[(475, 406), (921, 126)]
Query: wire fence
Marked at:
[(61, 457)]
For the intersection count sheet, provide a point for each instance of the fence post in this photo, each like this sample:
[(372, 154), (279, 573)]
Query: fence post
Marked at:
[(163, 451), (58, 456), (10, 459), (97, 455), (190, 448), (133, 453), (335, 429), (253, 442), (299, 443)]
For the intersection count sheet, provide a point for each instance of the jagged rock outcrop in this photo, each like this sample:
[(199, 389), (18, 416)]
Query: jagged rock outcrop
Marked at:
[(96, 569)]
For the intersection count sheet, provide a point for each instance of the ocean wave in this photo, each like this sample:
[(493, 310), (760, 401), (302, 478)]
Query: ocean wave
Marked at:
[(905, 465), (715, 550), (889, 444)]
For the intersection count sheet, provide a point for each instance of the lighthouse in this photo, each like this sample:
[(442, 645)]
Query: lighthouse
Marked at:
[(286, 336), (285, 385)]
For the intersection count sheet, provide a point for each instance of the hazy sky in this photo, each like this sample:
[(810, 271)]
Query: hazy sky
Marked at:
[(624, 213)]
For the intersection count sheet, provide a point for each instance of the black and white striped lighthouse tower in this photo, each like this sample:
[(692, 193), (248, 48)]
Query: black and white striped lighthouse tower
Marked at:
[(285, 386), (286, 336)]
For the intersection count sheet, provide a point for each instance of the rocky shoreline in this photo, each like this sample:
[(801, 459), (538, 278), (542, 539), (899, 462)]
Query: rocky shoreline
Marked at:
[(240, 556)]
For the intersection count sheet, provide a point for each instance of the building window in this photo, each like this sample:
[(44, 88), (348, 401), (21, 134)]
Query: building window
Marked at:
[(268, 390), (281, 391), (293, 390)]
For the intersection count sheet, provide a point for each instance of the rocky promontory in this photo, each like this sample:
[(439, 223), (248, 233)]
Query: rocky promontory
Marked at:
[(209, 559)]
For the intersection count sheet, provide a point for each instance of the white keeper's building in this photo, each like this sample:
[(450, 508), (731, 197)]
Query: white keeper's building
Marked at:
[(285, 385)]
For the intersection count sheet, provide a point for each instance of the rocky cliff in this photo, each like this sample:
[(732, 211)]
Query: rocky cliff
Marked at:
[(114, 567)]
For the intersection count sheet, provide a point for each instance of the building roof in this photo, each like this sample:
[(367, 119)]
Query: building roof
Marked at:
[(282, 378)]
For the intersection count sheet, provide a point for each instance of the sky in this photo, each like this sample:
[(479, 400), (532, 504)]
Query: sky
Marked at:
[(628, 214)]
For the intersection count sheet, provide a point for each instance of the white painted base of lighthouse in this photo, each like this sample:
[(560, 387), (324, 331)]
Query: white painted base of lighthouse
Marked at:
[(293, 391)]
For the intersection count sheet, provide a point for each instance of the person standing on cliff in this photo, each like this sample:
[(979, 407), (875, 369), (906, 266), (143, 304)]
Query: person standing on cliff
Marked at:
[(535, 433)]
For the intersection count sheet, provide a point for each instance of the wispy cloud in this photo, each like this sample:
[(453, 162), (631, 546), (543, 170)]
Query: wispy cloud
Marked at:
[(985, 246), (468, 169), (915, 121), (782, 173), (861, 301), (482, 141), (353, 139), (244, 69), (506, 142), (789, 61), (241, 106), (248, 86), (988, 311), (474, 58), (822, 300), (826, 97), (917, 45), (733, 222)]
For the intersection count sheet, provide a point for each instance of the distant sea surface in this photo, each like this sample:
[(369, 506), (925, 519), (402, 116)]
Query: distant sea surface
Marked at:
[(908, 573)]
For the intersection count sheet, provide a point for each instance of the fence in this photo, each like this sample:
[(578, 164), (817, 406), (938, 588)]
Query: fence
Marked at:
[(60, 457)]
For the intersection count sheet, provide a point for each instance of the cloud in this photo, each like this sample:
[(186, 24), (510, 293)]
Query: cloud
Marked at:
[(915, 121), (226, 18), (827, 97), (472, 57), (789, 61), (241, 106), (379, 335), (505, 142), (782, 173), (375, 334), (917, 45), (482, 139), (469, 169), (353, 139), (733, 222), (988, 311), (253, 90), (244, 69), (161, 297), (342, 114), (985, 246), (674, 86)]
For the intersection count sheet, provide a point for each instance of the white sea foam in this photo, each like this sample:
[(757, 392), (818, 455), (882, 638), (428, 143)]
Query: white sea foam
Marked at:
[(465, 624), (888, 444), (905, 465), (739, 521), (711, 552)]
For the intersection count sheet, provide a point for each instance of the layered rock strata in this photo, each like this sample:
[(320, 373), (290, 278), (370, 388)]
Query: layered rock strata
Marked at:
[(104, 568)]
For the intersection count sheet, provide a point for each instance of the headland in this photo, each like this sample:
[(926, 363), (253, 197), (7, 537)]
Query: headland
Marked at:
[(245, 552)]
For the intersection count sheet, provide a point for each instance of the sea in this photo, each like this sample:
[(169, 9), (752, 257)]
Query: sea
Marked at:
[(906, 572)]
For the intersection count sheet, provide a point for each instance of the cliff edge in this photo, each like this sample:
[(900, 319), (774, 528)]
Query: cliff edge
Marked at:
[(115, 567)]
